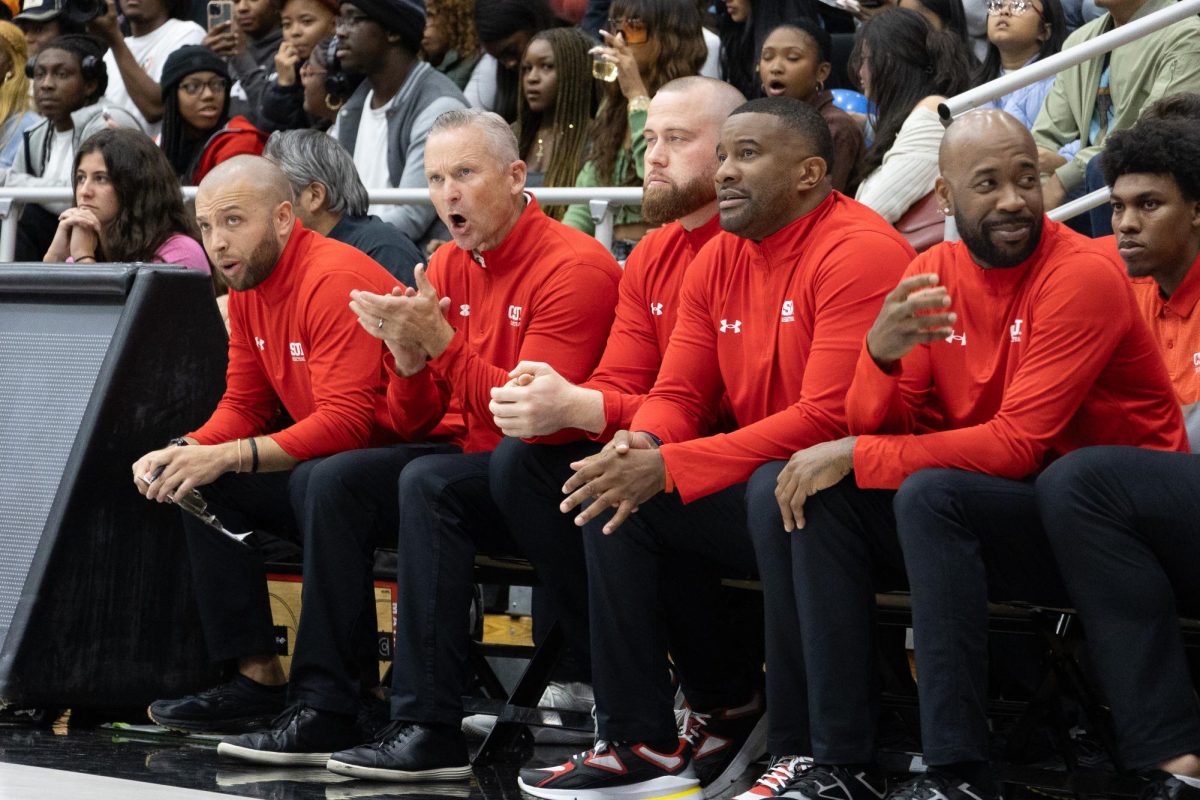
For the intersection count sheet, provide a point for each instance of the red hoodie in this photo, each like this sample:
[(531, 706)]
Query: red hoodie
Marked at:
[(238, 137), (777, 326), (1046, 357)]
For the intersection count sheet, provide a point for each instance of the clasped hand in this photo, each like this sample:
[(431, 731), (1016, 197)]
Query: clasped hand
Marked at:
[(410, 321), (626, 473), (182, 469)]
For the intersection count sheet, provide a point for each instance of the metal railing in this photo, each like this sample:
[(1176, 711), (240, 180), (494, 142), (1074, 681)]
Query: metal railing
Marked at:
[(1052, 65), (602, 201)]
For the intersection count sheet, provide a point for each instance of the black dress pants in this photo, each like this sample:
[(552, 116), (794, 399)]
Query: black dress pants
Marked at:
[(654, 585), (340, 509), (1125, 525), (967, 538)]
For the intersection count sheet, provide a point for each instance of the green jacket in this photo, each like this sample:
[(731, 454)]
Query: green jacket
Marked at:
[(579, 216), (1155, 66)]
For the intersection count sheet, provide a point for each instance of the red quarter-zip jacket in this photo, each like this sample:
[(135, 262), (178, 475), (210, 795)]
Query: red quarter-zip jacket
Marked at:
[(777, 326), (1046, 357), (294, 341), (547, 293)]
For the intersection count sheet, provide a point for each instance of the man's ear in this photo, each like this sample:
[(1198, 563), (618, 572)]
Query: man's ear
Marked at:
[(519, 172), (810, 172), (320, 194), (945, 197)]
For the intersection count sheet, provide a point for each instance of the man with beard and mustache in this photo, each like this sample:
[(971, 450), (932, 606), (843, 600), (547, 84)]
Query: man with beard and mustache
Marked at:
[(682, 127), (771, 314), (294, 345), (993, 356)]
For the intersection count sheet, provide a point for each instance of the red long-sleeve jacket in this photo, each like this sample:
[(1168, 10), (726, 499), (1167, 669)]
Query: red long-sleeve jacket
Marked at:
[(547, 293), (1046, 357), (777, 326), (294, 342)]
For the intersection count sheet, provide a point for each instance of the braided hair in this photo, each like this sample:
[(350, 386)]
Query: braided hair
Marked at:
[(574, 106)]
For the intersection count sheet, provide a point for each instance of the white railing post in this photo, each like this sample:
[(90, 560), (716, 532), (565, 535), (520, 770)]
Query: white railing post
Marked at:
[(1080, 205), (602, 215), (8, 229)]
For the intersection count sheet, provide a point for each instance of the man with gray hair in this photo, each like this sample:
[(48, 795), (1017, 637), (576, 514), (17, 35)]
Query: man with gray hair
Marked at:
[(514, 285), (331, 199)]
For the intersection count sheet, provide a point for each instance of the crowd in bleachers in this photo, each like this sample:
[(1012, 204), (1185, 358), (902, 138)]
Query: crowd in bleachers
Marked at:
[(777, 371)]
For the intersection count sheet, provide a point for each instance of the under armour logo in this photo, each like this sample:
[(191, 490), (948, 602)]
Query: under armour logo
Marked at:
[(788, 313), (464, 310), (735, 326), (514, 315), (260, 342), (656, 309), (961, 338), (1014, 330)]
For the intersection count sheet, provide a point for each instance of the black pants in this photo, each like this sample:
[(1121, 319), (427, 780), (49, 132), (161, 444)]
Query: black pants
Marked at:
[(340, 508), (446, 513), (526, 484), (967, 538), (1125, 525), (653, 586)]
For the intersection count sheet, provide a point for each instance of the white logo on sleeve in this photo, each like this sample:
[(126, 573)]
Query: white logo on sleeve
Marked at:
[(297, 351), (727, 326), (960, 338), (656, 309), (514, 316), (1196, 361), (464, 310), (789, 312), (1014, 330), (262, 343)]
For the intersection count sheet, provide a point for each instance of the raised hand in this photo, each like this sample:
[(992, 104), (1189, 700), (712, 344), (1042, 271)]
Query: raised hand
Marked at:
[(913, 313)]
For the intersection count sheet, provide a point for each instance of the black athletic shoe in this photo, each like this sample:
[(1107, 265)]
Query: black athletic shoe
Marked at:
[(934, 785), (239, 706), (725, 742), (1165, 786), (301, 736), (825, 782), (407, 751), (611, 770)]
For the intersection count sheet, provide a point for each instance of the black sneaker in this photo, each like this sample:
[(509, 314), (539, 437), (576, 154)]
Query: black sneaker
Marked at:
[(239, 706), (612, 770), (935, 785), (825, 782), (300, 736), (725, 742), (407, 751), (1165, 786)]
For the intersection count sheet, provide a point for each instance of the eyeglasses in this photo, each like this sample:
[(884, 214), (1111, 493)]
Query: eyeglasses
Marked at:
[(350, 20), (633, 29), (193, 88), (1014, 7)]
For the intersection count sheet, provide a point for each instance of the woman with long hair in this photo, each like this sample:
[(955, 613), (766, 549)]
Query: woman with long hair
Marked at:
[(795, 61), (650, 42), (558, 102), (1021, 32), (504, 28), (906, 68), (450, 43), (128, 206), (15, 116), (943, 15), (197, 131), (305, 24)]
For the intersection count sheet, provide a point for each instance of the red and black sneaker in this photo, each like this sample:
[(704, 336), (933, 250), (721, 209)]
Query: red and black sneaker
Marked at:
[(615, 770), (725, 742)]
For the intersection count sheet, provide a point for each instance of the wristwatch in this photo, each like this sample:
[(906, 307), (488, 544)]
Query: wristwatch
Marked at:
[(179, 441)]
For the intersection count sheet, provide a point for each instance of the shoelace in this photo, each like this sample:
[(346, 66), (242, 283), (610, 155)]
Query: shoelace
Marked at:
[(920, 788), (782, 771), (397, 729), (285, 717), (692, 725)]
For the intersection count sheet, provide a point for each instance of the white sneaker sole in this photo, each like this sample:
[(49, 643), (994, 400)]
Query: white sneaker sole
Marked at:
[(274, 759), (400, 776), (753, 748), (665, 788)]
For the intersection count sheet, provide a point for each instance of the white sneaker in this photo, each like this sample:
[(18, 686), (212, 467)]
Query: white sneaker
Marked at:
[(559, 696), (776, 778)]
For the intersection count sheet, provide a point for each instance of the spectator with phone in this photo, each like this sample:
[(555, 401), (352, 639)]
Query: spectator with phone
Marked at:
[(198, 132), (306, 24), (69, 79), (135, 62), (127, 207), (385, 122), (247, 34), (43, 20)]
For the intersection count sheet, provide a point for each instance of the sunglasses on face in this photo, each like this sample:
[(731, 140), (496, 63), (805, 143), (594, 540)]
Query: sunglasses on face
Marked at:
[(632, 28)]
